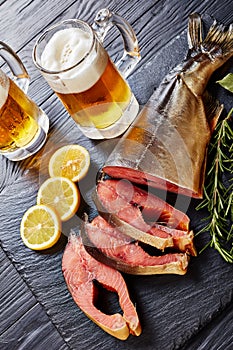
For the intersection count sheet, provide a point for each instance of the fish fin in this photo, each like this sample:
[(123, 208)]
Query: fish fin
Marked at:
[(194, 31), (213, 109), (219, 40)]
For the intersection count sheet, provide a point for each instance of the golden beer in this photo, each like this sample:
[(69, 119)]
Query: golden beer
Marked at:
[(18, 117), (103, 103), (80, 72)]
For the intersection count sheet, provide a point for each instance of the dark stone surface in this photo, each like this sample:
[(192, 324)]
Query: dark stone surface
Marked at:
[(189, 312)]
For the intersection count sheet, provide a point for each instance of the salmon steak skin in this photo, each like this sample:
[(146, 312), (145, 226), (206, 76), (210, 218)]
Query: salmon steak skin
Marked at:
[(143, 216), (80, 270), (166, 146), (107, 244)]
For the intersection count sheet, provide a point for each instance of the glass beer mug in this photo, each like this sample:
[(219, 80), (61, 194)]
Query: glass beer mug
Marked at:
[(23, 125), (92, 88)]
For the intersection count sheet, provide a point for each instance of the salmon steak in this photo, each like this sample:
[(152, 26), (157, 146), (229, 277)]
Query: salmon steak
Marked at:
[(143, 216), (166, 146), (107, 244), (80, 270)]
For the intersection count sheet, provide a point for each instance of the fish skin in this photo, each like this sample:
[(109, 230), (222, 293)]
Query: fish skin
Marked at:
[(182, 240), (166, 147), (80, 270)]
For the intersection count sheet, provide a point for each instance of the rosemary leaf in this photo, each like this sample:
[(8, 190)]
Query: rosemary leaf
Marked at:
[(218, 195)]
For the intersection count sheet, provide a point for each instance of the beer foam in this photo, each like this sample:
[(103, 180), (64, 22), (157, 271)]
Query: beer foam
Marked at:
[(4, 88), (67, 48)]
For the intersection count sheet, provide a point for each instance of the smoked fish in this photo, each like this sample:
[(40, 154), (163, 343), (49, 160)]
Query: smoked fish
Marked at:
[(144, 216), (166, 146), (80, 271), (106, 243)]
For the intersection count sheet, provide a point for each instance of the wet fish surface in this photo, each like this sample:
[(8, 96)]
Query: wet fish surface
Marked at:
[(166, 147)]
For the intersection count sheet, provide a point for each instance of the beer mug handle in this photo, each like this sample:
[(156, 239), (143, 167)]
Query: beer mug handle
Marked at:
[(104, 20), (19, 72)]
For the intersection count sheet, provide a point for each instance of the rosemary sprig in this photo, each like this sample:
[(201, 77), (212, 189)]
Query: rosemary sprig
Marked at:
[(218, 197)]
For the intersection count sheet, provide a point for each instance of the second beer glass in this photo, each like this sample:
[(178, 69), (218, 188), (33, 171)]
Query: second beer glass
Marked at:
[(23, 125), (77, 67)]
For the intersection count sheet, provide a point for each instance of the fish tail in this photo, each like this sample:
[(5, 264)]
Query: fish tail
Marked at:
[(220, 37), (218, 41), (195, 32)]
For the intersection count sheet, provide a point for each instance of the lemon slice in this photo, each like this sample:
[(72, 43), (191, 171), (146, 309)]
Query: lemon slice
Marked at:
[(61, 194), (40, 227), (71, 161)]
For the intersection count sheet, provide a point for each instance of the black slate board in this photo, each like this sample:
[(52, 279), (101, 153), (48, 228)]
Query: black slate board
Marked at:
[(171, 308)]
